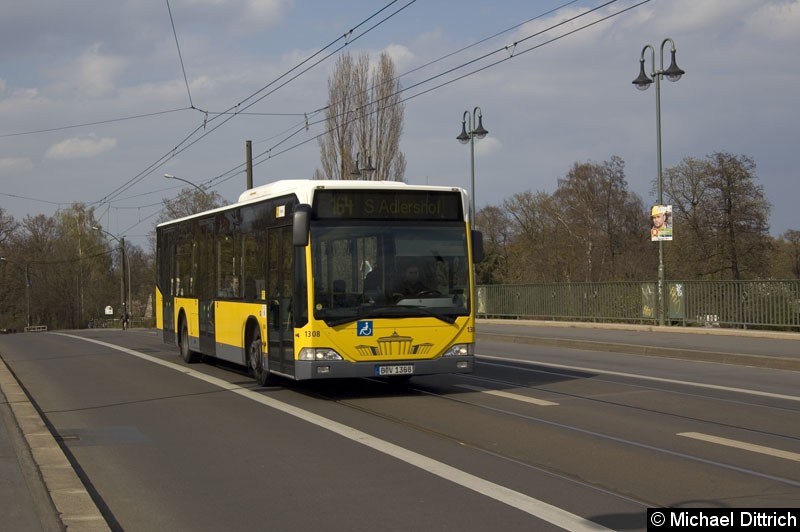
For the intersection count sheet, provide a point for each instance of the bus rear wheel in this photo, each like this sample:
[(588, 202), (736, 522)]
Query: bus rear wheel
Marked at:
[(187, 354), (256, 362)]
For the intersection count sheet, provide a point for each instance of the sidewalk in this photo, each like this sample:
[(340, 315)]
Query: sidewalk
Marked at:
[(39, 489)]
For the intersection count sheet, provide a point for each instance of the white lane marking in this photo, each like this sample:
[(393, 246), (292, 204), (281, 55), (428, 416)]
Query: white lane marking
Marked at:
[(507, 395), (742, 445), (540, 509), (646, 377)]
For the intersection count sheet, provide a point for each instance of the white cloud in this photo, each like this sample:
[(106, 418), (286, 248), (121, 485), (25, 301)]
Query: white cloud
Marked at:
[(776, 21), (92, 75), (80, 148), (11, 165), (401, 56), (242, 16)]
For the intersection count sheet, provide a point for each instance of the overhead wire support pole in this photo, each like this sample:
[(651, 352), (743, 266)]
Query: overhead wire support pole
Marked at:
[(125, 266)]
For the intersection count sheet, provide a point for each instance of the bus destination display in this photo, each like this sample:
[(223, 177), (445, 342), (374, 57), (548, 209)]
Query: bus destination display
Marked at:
[(380, 205)]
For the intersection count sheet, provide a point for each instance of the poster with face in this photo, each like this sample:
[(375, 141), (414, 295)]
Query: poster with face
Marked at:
[(661, 218)]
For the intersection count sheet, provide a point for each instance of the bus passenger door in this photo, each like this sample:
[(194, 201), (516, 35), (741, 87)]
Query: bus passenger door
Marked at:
[(205, 255), (207, 329), (166, 288), (280, 331)]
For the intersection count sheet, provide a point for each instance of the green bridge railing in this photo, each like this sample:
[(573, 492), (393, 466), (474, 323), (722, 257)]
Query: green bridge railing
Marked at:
[(743, 304)]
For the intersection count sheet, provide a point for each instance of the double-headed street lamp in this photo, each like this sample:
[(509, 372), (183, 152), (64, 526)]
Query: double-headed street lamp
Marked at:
[(673, 73), (126, 265), (470, 136), (359, 171)]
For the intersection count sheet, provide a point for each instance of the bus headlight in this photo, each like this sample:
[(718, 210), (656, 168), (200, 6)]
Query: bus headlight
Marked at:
[(319, 353), (460, 350)]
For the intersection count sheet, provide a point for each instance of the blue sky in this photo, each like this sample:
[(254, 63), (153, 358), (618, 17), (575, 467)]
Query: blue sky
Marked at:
[(566, 101)]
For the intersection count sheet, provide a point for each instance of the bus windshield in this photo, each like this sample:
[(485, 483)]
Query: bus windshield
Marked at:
[(377, 269)]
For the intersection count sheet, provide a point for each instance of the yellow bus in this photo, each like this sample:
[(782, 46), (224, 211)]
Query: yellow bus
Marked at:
[(311, 279)]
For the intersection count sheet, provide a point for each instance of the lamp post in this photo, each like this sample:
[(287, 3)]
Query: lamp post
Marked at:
[(642, 82), (359, 170), (126, 294), (27, 292), (470, 136), (201, 189)]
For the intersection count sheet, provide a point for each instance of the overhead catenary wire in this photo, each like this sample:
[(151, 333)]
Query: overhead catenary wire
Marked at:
[(180, 56), (306, 124), (95, 123), (186, 143), (272, 151)]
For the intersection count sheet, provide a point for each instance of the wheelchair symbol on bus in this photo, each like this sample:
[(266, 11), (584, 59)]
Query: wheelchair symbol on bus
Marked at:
[(364, 328)]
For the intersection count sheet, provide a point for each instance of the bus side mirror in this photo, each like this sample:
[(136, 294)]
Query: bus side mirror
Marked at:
[(477, 246), (302, 218)]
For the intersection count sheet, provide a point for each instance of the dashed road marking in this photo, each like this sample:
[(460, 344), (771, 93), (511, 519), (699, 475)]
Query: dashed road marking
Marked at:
[(507, 395), (788, 455)]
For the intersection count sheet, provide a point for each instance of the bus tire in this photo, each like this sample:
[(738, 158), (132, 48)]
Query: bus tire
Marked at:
[(189, 356), (257, 364)]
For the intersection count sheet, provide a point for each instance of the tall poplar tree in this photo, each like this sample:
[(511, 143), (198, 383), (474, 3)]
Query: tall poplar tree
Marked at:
[(364, 119)]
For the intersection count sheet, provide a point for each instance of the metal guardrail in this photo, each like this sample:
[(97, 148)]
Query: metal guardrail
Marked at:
[(743, 304)]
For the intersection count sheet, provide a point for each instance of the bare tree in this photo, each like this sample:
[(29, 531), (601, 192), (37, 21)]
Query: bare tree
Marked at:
[(387, 122), (786, 256), (591, 229), (61, 272), (365, 122), (7, 227), (720, 216), (495, 226), (534, 255), (603, 217), (189, 201)]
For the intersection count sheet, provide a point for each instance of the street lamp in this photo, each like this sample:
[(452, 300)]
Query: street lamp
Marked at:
[(201, 189), (366, 169), (642, 82), (470, 136), (126, 265)]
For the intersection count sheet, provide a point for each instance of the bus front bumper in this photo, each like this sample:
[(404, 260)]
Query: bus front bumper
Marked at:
[(338, 369)]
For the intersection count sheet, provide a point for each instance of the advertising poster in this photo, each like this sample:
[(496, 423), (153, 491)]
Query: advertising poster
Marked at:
[(661, 218)]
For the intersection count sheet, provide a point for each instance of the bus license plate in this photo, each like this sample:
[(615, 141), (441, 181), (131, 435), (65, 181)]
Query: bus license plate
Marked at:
[(407, 369)]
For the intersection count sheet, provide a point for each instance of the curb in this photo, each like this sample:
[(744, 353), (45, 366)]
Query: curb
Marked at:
[(701, 331), (76, 509)]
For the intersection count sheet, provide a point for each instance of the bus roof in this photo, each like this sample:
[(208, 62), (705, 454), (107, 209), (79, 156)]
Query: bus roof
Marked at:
[(304, 190)]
